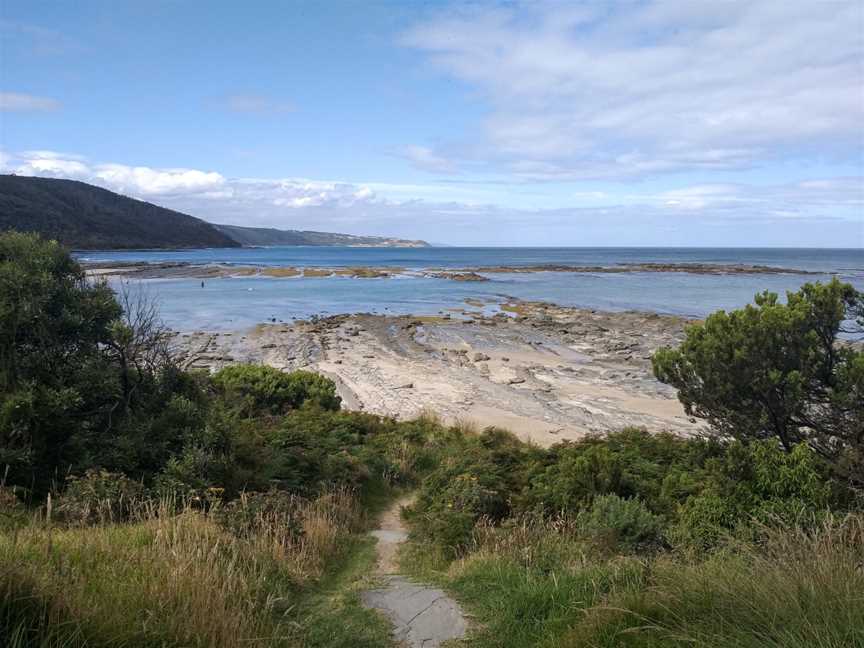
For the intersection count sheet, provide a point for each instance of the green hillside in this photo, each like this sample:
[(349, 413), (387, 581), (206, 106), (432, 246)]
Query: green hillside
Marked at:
[(262, 236), (82, 216)]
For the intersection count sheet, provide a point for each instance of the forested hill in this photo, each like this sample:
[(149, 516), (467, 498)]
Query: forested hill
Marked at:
[(267, 236), (82, 216)]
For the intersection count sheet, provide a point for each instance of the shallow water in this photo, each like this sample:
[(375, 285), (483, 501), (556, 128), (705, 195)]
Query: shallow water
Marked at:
[(233, 303)]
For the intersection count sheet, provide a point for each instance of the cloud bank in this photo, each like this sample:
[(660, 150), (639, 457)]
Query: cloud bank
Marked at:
[(822, 211), (19, 102), (600, 90)]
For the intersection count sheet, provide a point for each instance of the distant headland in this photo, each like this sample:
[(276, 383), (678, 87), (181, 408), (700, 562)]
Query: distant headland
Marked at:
[(85, 217)]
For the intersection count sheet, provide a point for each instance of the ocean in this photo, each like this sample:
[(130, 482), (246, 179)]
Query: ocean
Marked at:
[(237, 303)]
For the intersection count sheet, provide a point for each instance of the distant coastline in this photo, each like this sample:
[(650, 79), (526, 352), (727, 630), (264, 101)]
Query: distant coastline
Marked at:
[(83, 217)]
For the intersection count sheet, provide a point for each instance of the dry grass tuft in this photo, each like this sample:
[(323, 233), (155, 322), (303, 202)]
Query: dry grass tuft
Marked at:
[(172, 578)]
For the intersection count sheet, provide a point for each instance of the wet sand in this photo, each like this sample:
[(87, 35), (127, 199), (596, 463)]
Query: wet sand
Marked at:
[(543, 371)]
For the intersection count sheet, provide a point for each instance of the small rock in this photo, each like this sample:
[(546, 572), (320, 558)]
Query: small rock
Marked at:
[(480, 357), (505, 359), (516, 381), (409, 385)]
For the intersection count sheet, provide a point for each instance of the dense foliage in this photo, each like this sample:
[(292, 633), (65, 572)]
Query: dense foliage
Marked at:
[(630, 486), (197, 510), (260, 390), (88, 387), (778, 371), (82, 216)]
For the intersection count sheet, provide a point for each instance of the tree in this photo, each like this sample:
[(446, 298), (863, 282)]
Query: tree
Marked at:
[(139, 342), (53, 377), (774, 370)]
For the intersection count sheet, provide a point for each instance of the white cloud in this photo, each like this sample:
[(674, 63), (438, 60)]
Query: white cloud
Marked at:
[(136, 181), (198, 191), (145, 181), (257, 105), (819, 211), (19, 102), (426, 159), (609, 90), (700, 196)]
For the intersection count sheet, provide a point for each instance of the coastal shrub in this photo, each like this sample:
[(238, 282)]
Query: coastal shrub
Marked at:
[(632, 487), (778, 371), (661, 470), (315, 449), (620, 521), (143, 443), (99, 496), (479, 478), (260, 390), (757, 483), (577, 474), (245, 515)]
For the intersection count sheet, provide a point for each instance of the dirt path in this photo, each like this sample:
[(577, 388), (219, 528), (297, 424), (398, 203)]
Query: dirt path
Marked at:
[(422, 616)]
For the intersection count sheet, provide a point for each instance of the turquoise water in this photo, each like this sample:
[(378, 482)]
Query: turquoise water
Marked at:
[(233, 303)]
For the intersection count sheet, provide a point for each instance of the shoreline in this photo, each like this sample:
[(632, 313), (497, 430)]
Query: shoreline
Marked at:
[(545, 372), (190, 270)]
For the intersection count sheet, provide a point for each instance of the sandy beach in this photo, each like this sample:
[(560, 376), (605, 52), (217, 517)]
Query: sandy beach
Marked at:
[(543, 371)]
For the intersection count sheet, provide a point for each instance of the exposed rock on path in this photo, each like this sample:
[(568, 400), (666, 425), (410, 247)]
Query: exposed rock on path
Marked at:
[(422, 616)]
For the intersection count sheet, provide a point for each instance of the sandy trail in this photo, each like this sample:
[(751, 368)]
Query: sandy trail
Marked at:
[(549, 373), (422, 616)]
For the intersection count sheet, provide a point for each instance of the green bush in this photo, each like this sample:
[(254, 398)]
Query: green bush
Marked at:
[(631, 486), (624, 521), (661, 470), (479, 477), (756, 483), (261, 390), (246, 515), (99, 496)]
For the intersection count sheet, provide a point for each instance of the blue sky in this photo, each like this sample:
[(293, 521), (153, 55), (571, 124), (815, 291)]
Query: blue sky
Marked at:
[(639, 123)]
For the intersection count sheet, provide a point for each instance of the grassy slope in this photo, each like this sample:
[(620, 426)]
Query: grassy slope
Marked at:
[(184, 581), (530, 587)]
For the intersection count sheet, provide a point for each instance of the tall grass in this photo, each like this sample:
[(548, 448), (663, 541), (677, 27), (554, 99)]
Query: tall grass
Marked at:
[(535, 583), (168, 578), (796, 586), (526, 582)]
